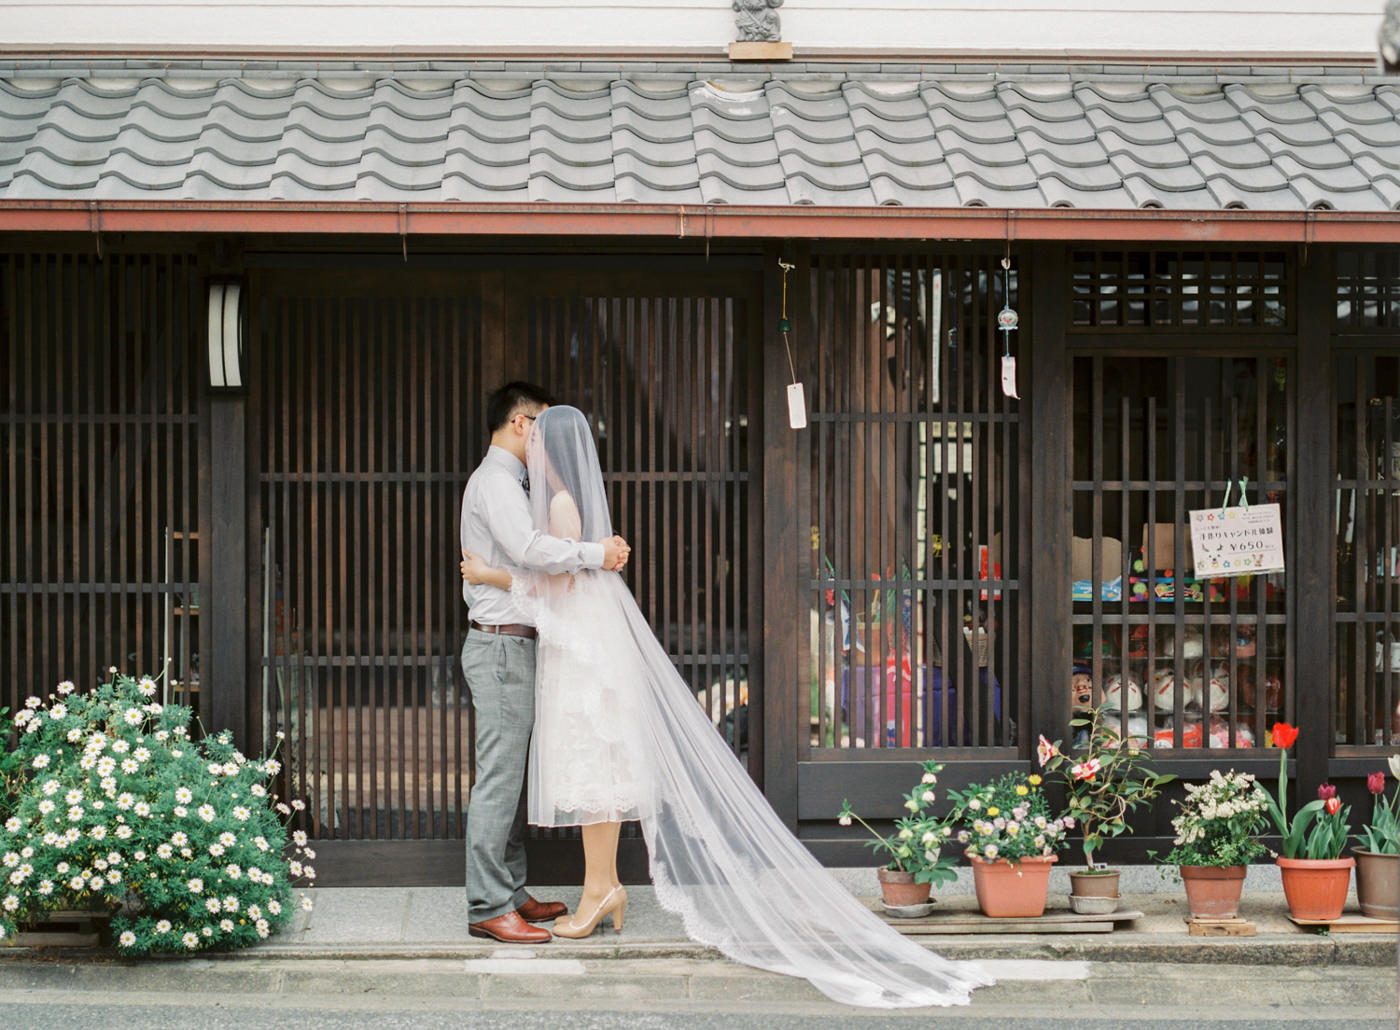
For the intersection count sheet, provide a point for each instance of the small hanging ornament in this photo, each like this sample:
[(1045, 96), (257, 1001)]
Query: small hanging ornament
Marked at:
[(797, 401), (1007, 321)]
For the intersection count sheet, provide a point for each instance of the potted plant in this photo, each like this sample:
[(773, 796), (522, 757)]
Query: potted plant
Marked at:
[(1104, 781), (1315, 874), (1011, 836), (111, 803), (1378, 858), (915, 848), (1216, 838)]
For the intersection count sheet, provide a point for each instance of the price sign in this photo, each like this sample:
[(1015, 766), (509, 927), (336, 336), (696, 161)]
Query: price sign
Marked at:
[(1237, 541)]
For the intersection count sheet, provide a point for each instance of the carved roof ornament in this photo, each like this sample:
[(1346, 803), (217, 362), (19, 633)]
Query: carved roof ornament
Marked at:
[(1390, 37), (757, 20), (760, 32)]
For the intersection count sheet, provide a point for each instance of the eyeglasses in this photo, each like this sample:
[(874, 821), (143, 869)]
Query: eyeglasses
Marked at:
[(530, 417)]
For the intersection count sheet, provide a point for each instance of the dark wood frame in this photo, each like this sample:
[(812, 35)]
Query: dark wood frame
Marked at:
[(228, 549)]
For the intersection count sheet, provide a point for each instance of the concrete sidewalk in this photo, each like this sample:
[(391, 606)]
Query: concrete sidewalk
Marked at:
[(431, 922)]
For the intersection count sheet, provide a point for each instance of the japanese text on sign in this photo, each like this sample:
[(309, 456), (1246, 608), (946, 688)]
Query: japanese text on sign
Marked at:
[(1237, 541)]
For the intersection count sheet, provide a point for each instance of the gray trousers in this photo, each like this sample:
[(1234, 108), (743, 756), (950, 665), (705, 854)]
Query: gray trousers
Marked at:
[(500, 673)]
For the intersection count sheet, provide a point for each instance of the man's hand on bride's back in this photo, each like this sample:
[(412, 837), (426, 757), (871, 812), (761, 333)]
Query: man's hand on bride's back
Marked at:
[(615, 553)]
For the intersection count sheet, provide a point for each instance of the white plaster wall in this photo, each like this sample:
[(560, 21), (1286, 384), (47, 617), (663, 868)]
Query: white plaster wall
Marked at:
[(994, 27)]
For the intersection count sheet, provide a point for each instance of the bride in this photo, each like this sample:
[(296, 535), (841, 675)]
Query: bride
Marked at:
[(618, 736)]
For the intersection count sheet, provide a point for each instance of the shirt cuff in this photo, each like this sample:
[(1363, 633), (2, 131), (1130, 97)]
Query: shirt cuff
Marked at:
[(592, 555)]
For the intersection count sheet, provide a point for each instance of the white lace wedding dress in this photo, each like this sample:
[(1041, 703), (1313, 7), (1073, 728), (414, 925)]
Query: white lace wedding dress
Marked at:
[(618, 734), (583, 763)]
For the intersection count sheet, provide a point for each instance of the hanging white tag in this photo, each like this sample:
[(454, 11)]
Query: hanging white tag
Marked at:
[(1008, 376), (797, 406)]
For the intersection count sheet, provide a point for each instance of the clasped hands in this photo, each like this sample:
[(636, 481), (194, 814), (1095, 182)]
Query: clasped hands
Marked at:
[(616, 551)]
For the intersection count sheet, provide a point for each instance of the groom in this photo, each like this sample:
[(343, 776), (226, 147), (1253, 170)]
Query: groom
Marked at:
[(498, 660)]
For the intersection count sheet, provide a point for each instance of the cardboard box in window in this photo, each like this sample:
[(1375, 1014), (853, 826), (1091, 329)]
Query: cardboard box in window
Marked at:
[(1081, 558), (1163, 546)]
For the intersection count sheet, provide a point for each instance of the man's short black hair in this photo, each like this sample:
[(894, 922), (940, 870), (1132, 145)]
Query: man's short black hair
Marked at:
[(503, 402)]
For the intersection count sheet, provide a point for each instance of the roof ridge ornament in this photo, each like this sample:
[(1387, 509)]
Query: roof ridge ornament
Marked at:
[(759, 32)]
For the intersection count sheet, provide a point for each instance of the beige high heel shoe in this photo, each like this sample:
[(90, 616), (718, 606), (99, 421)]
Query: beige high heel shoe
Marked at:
[(614, 903)]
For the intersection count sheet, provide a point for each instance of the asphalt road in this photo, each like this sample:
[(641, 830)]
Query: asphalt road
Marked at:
[(663, 993)]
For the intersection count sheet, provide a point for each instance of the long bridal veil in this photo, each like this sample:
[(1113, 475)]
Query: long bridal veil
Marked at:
[(720, 857)]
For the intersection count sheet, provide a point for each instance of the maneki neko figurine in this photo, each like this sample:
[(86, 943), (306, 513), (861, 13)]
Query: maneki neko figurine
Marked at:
[(1164, 689), (1113, 691)]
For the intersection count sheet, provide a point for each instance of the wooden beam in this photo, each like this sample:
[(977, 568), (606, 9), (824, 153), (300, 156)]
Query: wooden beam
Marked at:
[(224, 671), (697, 221), (1311, 590), (1051, 529)]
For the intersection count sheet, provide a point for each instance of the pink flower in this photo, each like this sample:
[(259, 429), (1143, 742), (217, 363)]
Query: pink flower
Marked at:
[(1044, 751), (1326, 792), (1375, 782)]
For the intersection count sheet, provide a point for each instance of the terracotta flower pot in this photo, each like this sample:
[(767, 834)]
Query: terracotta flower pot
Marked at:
[(1377, 883), (1005, 890), (1095, 893), (898, 888), (1316, 888), (1213, 891)]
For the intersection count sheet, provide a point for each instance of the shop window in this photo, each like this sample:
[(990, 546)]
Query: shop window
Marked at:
[(1367, 527), (1169, 289), (913, 479), (1182, 661), (1368, 291)]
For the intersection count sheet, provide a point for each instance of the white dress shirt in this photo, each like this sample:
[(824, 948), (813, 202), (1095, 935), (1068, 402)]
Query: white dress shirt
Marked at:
[(496, 524)]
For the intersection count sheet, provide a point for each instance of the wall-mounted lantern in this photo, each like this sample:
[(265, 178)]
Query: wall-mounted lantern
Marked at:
[(227, 308)]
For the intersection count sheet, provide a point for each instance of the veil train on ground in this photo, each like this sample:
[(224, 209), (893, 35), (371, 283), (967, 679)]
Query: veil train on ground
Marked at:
[(720, 856)]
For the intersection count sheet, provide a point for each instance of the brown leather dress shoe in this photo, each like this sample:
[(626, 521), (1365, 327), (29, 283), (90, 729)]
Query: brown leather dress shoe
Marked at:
[(509, 928), (539, 911)]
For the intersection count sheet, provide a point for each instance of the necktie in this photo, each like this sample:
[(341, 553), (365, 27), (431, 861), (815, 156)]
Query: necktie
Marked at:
[(525, 484)]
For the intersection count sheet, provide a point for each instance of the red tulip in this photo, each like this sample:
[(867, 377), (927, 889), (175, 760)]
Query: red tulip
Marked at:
[(1284, 735), (1326, 792), (1333, 805), (1375, 783)]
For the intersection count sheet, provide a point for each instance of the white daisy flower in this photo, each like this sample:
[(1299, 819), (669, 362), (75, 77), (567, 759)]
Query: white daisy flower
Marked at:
[(13, 824), (258, 790), (180, 811), (133, 716), (32, 702), (127, 939), (146, 686), (74, 734), (74, 796), (98, 832), (45, 887), (184, 795), (232, 871), (195, 885), (130, 765), (74, 814), (190, 940), (142, 808), (162, 926), (164, 851), (141, 754), (208, 931), (66, 687), (125, 801), (216, 849), (241, 814), (275, 907), (306, 905), (230, 904), (179, 839), (120, 746), (123, 832), (226, 925), (50, 788), (206, 812), (11, 903), (41, 761), (298, 804), (212, 904)]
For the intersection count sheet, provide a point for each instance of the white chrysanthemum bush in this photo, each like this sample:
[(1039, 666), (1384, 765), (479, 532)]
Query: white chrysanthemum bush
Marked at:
[(108, 800)]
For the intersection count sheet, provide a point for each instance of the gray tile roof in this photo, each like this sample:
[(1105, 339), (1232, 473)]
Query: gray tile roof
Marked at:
[(921, 136)]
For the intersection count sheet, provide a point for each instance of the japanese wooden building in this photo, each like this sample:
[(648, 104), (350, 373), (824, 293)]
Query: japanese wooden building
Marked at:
[(248, 319)]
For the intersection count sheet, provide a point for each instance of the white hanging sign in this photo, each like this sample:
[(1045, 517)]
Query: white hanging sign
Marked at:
[(1237, 541)]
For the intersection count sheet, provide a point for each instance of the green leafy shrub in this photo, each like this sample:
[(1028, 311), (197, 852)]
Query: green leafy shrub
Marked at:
[(110, 802)]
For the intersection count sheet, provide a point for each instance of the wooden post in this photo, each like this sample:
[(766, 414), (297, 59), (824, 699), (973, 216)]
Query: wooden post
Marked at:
[(224, 679), (783, 605), (1050, 531), (1310, 582)]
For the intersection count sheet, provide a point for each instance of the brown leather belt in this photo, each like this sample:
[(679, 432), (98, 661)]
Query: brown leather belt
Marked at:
[(510, 629)]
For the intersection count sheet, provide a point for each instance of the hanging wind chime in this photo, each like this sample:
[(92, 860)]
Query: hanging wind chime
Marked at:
[(1007, 320), (797, 402)]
